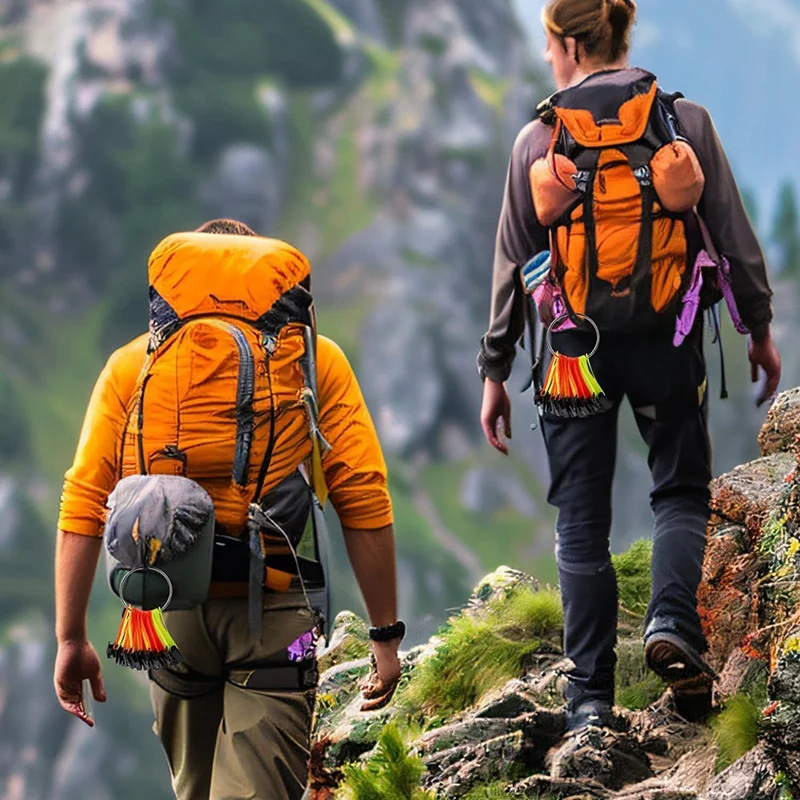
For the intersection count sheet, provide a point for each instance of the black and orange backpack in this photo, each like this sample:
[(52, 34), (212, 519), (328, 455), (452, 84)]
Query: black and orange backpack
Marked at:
[(617, 190), (227, 401)]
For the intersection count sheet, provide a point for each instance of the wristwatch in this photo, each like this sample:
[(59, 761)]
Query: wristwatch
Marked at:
[(388, 633)]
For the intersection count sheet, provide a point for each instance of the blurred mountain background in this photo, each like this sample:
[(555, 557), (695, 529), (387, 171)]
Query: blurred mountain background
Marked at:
[(374, 135)]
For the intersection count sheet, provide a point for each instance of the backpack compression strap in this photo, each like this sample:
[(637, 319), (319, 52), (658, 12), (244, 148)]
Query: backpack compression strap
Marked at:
[(278, 578), (310, 398), (638, 156)]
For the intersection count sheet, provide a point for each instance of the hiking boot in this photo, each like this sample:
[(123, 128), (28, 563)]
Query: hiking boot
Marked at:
[(590, 714), (685, 671)]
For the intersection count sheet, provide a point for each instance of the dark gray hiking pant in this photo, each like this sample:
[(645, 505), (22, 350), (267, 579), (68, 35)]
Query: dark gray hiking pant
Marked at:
[(666, 387)]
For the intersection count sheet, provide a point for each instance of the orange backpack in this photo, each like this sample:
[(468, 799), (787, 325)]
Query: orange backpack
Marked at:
[(617, 188), (227, 396)]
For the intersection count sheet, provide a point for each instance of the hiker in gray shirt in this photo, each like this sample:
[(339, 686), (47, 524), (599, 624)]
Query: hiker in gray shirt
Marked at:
[(622, 219)]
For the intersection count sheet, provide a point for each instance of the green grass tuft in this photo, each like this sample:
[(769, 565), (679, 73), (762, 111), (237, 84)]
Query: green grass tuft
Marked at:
[(497, 791), (390, 773), (642, 694), (784, 784), (494, 791), (637, 687), (478, 654), (735, 730), (633, 576)]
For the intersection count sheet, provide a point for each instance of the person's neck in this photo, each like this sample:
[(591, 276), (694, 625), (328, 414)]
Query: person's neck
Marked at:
[(583, 72)]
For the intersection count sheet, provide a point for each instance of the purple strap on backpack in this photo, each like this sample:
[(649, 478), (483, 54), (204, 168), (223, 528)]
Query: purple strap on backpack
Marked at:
[(707, 259)]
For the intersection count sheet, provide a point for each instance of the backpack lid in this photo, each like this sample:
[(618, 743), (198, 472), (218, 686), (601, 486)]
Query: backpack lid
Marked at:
[(210, 273), (608, 108)]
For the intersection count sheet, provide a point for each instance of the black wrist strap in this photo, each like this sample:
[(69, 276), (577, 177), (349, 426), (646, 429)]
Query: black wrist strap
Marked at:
[(388, 633)]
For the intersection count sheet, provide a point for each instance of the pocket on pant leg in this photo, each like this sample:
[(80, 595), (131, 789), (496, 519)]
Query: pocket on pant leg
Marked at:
[(263, 746)]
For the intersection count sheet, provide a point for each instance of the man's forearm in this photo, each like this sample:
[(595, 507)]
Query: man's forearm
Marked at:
[(372, 557), (76, 562)]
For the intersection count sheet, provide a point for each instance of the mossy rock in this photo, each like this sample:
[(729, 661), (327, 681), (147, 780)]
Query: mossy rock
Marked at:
[(482, 649), (633, 576), (355, 735), (349, 641), (497, 586)]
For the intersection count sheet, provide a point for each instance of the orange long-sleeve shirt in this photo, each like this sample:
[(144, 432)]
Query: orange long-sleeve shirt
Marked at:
[(354, 467)]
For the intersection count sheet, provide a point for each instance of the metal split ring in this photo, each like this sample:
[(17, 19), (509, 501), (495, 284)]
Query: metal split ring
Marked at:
[(560, 319), (145, 569)]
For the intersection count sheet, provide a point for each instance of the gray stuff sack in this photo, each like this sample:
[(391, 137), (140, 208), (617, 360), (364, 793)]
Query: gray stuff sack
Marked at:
[(165, 522)]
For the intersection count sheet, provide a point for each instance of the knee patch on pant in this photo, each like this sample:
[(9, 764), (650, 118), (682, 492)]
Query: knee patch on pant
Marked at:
[(581, 567)]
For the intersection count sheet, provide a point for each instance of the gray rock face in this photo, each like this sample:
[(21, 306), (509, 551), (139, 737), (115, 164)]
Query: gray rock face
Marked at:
[(397, 345), (613, 760), (441, 157), (750, 777), (782, 424), (785, 681), (247, 186)]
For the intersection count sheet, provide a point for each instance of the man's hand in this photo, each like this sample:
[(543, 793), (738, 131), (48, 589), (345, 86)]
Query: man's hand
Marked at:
[(496, 407), (764, 354), (74, 662), (380, 685)]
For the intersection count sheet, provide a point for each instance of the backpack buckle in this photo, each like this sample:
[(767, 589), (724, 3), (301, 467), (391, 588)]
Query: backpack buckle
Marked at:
[(582, 178), (643, 175)]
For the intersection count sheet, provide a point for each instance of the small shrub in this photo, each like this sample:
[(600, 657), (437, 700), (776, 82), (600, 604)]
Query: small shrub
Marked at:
[(481, 653), (633, 576), (390, 773), (736, 730)]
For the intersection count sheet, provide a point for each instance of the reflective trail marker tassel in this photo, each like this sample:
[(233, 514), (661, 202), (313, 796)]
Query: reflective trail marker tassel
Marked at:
[(143, 641), (571, 389)]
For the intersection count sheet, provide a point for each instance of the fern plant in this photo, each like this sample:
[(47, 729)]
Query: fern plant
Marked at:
[(390, 773)]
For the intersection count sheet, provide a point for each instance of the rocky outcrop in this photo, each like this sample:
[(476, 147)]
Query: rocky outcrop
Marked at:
[(514, 732)]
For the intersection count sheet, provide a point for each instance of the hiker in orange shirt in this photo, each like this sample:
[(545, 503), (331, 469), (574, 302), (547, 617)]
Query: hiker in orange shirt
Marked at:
[(234, 717)]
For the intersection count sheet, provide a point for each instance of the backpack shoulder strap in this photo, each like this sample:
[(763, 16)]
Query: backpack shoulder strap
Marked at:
[(311, 400)]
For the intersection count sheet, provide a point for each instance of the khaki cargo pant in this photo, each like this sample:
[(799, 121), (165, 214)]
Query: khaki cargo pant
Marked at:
[(224, 741)]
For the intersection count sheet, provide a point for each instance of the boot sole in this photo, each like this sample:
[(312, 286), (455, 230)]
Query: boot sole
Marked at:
[(674, 661)]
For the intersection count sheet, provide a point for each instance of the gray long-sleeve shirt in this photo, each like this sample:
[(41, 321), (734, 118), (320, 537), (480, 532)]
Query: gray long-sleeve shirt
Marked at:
[(520, 236)]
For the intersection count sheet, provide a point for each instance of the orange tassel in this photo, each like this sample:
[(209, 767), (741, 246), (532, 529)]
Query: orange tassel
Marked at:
[(571, 389), (143, 641)]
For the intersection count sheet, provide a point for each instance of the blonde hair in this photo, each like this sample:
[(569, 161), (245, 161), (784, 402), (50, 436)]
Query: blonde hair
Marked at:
[(602, 27)]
